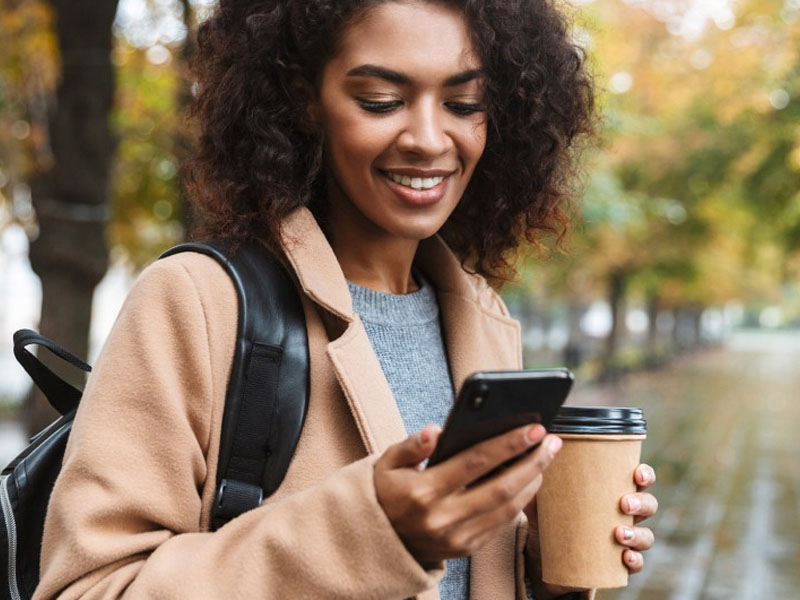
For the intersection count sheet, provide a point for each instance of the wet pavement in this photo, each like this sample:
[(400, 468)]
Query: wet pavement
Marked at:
[(723, 430)]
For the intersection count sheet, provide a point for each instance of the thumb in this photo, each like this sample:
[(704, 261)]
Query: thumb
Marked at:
[(531, 510), (412, 450)]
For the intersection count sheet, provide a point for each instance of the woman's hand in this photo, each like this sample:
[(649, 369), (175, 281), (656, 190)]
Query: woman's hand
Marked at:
[(642, 505), (434, 513), (637, 539)]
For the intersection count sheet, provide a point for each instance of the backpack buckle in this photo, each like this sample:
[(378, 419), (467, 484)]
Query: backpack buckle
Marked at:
[(234, 498)]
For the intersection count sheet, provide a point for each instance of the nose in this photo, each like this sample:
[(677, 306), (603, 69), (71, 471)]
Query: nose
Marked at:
[(424, 133)]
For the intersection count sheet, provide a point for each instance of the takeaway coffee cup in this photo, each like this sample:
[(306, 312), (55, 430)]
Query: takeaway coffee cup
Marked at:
[(579, 501)]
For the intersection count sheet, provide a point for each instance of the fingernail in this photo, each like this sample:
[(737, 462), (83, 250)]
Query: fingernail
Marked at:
[(633, 503), (424, 436), (627, 534), (631, 556), (554, 445), (646, 474), (533, 434)]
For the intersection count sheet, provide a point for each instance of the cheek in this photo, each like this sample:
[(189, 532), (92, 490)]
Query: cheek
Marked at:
[(471, 144), (477, 141), (355, 142)]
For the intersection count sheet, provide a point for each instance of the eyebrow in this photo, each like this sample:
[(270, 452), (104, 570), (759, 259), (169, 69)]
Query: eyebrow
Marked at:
[(403, 79)]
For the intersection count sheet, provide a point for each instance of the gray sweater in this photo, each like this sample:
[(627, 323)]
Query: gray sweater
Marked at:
[(406, 336)]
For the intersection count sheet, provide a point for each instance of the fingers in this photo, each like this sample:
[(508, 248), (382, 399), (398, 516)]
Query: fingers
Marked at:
[(500, 498), (633, 560), (507, 485), (478, 529), (636, 538), (480, 459), (437, 523), (412, 450), (531, 511), (644, 476), (641, 505)]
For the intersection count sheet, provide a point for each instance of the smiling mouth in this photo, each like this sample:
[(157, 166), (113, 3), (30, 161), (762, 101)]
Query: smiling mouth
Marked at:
[(415, 183)]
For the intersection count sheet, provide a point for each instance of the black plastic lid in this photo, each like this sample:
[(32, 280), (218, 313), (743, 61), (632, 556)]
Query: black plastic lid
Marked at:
[(599, 420)]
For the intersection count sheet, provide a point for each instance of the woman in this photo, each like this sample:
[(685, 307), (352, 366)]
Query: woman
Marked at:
[(344, 136)]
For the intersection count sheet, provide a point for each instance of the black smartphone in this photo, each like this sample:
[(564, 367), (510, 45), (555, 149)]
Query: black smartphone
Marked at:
[(493, 402)]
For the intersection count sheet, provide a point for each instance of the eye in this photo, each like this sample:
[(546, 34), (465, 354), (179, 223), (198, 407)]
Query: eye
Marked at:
[(465, 108), (379, 107)]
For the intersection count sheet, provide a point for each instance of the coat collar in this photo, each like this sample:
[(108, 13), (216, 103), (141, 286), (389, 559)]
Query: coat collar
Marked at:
[(315, 264), (322, 280)]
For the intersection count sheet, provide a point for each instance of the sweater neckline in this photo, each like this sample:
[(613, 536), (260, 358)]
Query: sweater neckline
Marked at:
[(415, 308)]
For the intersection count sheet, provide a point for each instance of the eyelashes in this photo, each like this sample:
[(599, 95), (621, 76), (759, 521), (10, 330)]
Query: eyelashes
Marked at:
[(465, 108), (459, 108), (379, 107)]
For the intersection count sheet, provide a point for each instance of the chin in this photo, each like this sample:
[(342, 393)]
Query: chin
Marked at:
[(417, 230)]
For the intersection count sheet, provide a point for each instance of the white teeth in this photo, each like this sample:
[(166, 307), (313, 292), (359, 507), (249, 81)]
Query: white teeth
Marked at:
[(418, 183)]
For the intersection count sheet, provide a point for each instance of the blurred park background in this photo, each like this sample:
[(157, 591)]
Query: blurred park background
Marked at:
[(678, 290)]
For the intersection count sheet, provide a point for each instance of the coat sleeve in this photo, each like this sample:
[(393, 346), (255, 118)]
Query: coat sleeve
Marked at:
[(126, 517)]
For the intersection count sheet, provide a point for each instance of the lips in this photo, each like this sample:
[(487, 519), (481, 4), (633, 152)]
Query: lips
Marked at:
[(417, 183), (419, 190)]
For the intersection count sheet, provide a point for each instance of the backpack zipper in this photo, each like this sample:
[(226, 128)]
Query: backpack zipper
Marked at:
[(11, 528)]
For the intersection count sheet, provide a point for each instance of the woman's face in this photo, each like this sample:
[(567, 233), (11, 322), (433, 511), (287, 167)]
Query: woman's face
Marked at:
[(401, 105)]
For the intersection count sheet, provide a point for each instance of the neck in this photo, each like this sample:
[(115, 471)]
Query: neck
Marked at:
[(369, 256)]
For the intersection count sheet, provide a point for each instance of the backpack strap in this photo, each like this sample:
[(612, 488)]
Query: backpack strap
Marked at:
[(63, 396), (267, 396)]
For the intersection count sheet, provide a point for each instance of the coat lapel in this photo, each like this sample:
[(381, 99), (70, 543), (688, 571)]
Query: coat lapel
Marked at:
[(366, 389), (315, 264), (356, 367)]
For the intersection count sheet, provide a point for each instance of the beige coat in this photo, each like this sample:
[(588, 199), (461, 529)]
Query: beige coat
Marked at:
[(129, 514)]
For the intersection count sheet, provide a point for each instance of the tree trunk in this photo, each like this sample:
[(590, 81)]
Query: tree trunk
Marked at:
[(687, 328), (70, 196), (616, 297), (676, 330), (574, 350), (652, 328), (697, 326)]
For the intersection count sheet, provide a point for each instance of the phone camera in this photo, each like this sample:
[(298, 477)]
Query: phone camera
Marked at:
[(480, 397)]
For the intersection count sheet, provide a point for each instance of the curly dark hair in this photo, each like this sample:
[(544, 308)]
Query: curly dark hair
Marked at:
[(257, 159)]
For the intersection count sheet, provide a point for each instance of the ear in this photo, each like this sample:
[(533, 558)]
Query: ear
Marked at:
[(305, 95), (313, 111)]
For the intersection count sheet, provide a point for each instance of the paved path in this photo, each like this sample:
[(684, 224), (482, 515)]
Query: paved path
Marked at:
[(724, 437)]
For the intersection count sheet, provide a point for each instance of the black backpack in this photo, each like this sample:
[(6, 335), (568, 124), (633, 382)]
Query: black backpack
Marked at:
[(265, 407)]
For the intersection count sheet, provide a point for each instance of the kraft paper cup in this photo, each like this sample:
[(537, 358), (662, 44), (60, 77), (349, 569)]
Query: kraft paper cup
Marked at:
[(578, 503)]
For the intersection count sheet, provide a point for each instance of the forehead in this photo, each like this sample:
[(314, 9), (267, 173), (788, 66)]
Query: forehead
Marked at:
[(418, 38)]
